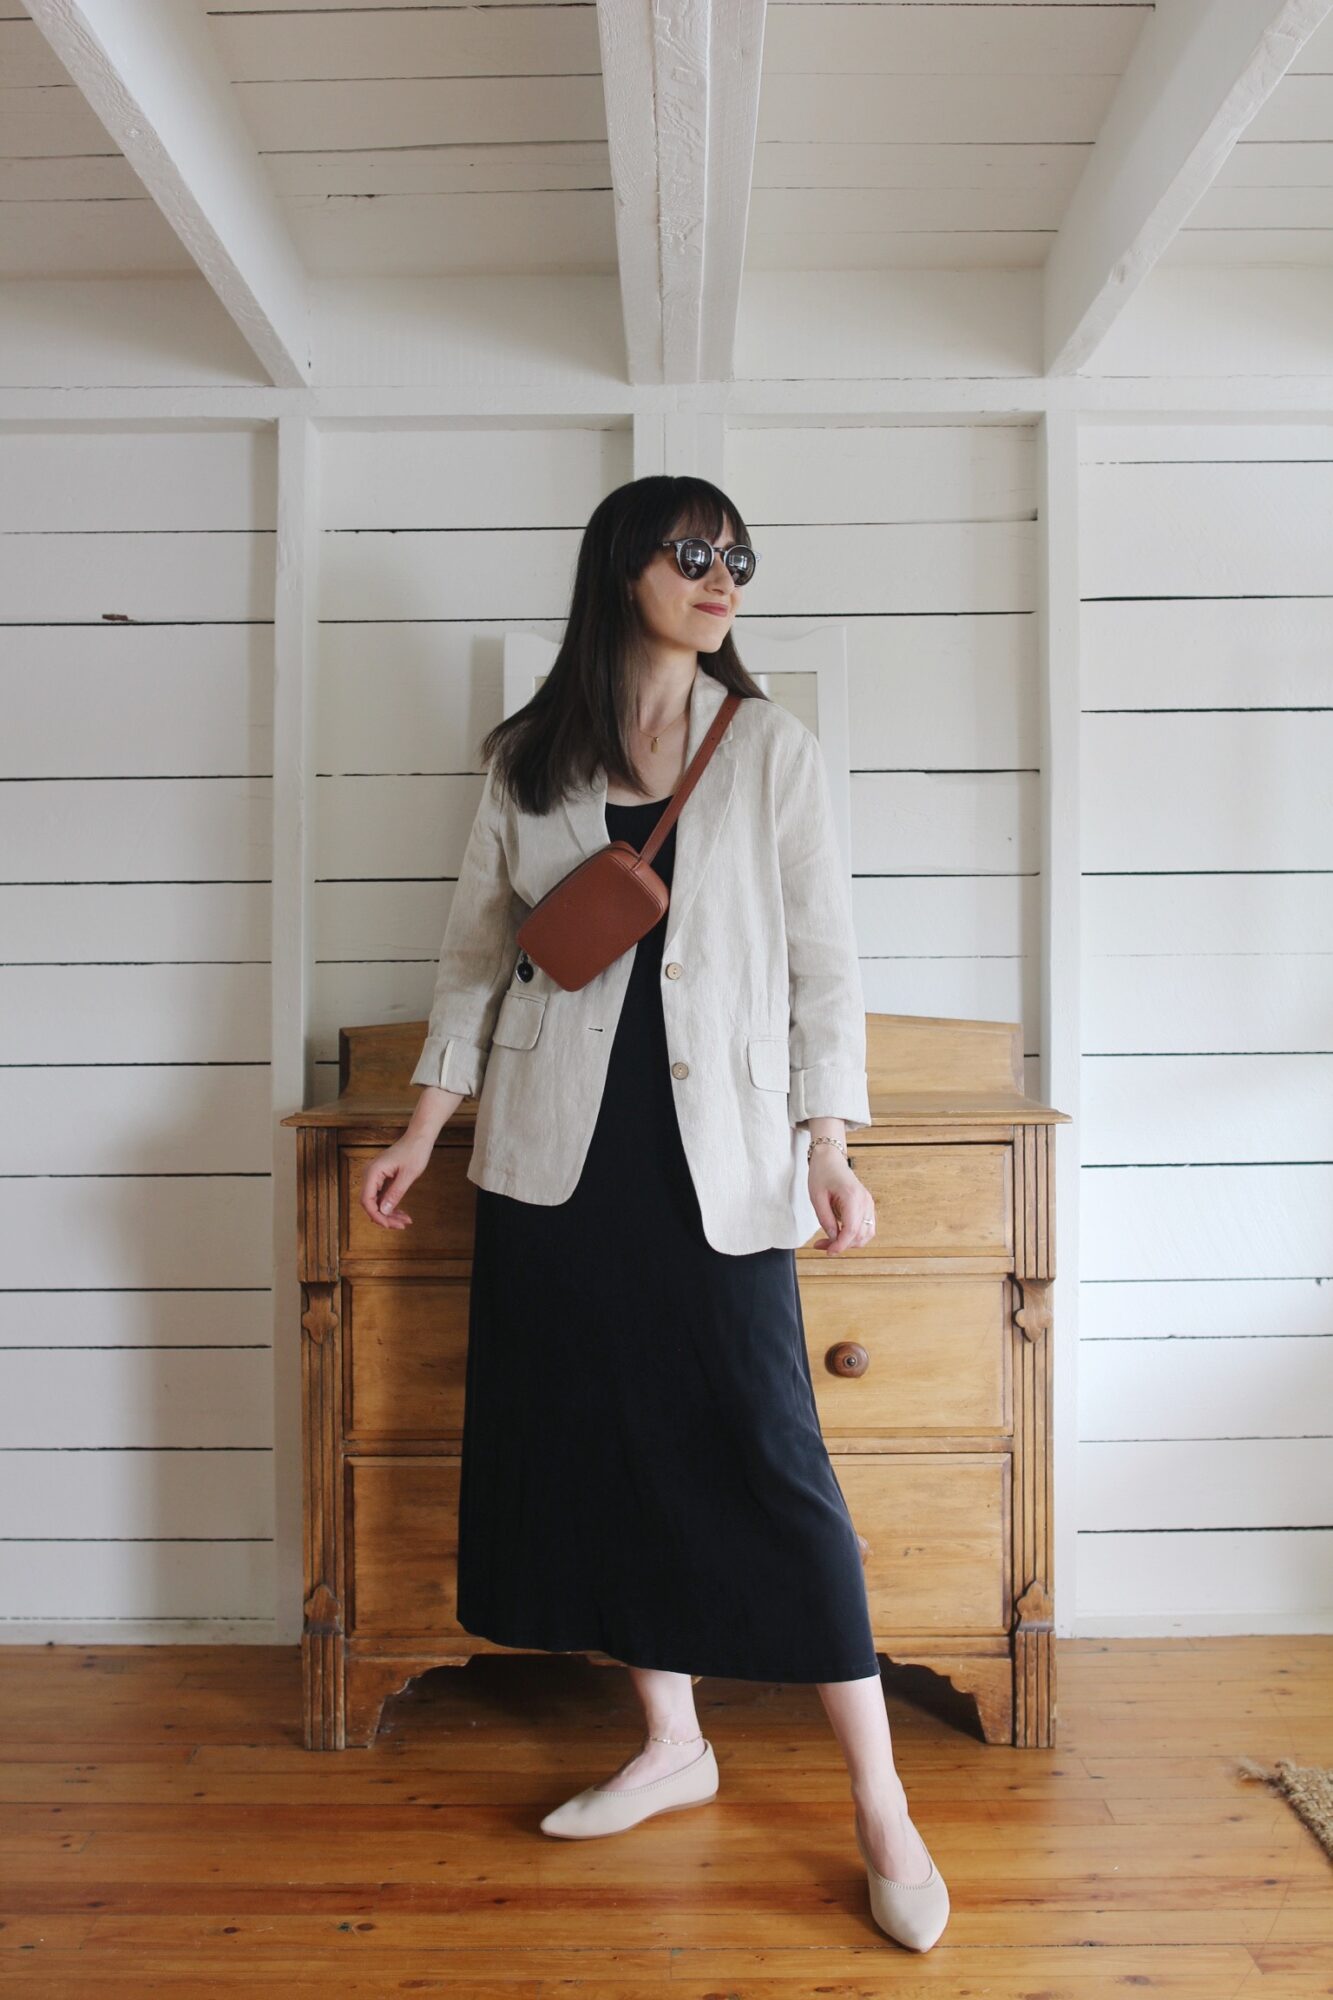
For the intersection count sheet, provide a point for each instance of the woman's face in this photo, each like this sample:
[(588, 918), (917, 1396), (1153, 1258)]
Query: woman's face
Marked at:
[(691, 614)]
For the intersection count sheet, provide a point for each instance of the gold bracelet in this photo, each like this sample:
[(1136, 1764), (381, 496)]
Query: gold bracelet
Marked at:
[(828, 1139)]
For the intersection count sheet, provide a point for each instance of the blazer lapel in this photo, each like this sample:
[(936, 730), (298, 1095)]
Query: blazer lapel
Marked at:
[(701, 817)]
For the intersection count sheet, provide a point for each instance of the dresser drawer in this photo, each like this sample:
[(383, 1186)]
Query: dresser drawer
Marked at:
[(404, 1357), (936, 1201), (402, 1546), (442, 1205), (938, 1529), (894, 1355)]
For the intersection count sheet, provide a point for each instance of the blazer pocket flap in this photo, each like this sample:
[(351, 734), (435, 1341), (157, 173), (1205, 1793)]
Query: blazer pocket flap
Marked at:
[(519, 1021), (768, 1058)]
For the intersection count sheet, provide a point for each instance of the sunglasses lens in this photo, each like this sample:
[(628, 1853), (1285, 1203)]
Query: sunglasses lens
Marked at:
[(696, 558), (740, 561)]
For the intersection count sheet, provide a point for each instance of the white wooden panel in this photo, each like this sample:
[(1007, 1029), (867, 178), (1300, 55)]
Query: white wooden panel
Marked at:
[(1155, 916), (1207, 1389), (136, 1014), (564, 336), (57, 579), (207, 688), (415, 111), (91, 923), (938, 822), (467, 574), (884, 163), (52, 120), (178, 829), (362, 42), (1207, 791), (416, 235), (1226, 1483), (829, 38), (1206, 1222), (26, 57), (964, 108), (101, 1495), (106, 178), (853, 571), (965, 988), (1219, 322), (184, 1317), (1204, 1308), (137, 1231), (124, 1396), (1208, 1004), (118, 1581), (1269, 163), (384, 827), (1211, 653), (1008, 234), (64, 481), (457, 476), (927, 916), (1207, 529), (1303, 104), (825, 472), (121, 333), (89, 239), (514, 169), (1246, 1107), (143, 1118), (1235, 1580), (1239, 438), (854, 325)]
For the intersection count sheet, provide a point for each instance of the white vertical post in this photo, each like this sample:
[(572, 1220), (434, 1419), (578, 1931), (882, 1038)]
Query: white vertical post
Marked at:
[(295, 629), (1061, 945)]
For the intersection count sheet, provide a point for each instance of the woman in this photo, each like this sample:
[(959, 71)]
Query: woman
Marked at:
[(643, 1470)]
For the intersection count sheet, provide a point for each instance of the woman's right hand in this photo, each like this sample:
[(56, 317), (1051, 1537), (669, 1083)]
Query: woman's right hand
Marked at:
[(388, 1177)]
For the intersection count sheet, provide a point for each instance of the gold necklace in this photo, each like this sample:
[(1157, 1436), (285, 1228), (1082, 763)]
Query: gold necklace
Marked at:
[(652, 747)]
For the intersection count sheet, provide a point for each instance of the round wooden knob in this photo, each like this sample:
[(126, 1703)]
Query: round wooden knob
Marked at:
[(847, 1357)]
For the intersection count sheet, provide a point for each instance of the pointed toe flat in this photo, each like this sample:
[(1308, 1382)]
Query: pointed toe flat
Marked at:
[(913, 1914), (596, 1811)]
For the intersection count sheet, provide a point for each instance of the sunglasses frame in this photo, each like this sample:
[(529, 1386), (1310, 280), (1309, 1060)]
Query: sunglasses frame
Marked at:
[(684, 541)]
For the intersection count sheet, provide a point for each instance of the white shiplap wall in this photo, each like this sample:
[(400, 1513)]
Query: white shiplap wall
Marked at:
[(434, 543), (1205, 1472), (921, 540), (136, 1394)]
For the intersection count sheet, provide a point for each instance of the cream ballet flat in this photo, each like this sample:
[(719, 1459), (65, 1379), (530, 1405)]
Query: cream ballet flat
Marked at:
[(596, 1811), (911, 1913)]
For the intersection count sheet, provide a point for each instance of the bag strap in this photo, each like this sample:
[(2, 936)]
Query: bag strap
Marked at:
[(691, 777)]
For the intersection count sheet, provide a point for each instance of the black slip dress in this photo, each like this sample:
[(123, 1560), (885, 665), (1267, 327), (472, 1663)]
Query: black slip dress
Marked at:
[(643, 1470)]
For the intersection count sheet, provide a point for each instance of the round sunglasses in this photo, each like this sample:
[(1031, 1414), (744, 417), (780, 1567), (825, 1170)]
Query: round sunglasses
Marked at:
[(694, 558)]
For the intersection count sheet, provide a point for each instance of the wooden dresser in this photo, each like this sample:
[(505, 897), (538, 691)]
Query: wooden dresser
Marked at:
[(930, 1352)]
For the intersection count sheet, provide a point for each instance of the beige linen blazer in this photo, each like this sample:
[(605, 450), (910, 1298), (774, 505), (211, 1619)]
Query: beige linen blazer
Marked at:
[(761, 987)]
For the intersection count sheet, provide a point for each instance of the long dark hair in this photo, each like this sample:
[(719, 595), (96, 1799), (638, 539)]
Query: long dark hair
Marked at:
[(582, 714)]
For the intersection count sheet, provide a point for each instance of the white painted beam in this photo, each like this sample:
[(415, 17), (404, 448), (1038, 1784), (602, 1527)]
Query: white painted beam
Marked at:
[(1200, 71), (149, 71), (681, 84)]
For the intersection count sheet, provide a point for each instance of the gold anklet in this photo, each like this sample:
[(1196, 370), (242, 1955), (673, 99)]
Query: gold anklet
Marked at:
[(673, 1739)]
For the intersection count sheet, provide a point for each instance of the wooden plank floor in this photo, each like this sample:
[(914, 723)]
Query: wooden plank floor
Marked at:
[(162, 1831)]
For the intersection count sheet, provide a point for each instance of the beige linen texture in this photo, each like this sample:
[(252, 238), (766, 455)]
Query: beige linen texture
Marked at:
[(761, 986)]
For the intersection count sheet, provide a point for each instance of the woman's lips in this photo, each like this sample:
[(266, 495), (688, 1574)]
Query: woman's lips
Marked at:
[(714, 610)]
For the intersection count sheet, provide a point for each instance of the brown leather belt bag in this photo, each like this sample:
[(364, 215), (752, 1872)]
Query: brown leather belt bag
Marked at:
[(614, 898)]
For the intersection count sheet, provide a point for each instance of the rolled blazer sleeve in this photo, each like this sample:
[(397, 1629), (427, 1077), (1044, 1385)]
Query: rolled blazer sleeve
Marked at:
[(476, 959), (827, 1034)]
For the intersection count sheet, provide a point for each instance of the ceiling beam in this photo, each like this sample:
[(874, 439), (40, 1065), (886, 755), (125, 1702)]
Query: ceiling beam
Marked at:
[(1199, 72), (681, 82), (149, 70)]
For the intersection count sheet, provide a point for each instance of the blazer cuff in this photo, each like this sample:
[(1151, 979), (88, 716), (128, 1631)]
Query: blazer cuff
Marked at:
[(826, 1092), (451, 1064)]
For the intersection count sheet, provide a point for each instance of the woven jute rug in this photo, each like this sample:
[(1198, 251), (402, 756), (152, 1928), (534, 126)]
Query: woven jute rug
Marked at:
[(1307, 1789)]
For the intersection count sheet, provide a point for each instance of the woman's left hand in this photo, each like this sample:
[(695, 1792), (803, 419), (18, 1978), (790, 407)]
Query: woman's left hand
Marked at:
[(843, 1205)]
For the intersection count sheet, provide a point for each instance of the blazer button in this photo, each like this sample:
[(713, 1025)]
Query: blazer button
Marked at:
[(680, 1069), (673, 971)]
